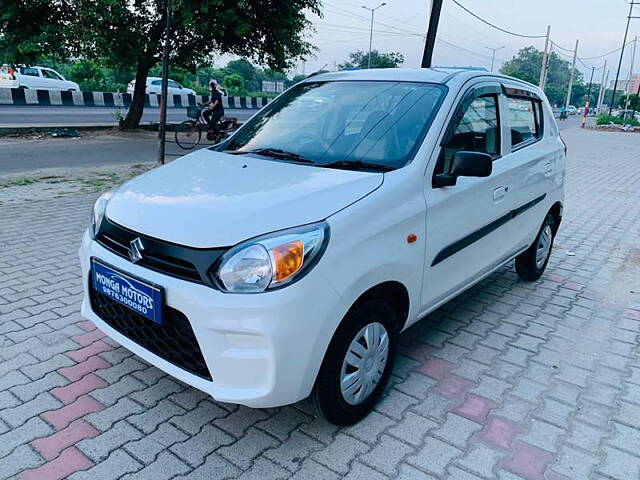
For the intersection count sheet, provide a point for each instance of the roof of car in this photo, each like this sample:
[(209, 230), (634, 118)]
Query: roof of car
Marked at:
[(441, 75)]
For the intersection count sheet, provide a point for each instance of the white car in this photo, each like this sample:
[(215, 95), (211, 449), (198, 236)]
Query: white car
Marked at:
[(37, 78), (283, 263), (154, 85)]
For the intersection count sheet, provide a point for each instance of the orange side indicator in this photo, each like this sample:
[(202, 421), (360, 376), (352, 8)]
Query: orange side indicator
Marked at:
[(288, 259), (412, 237)]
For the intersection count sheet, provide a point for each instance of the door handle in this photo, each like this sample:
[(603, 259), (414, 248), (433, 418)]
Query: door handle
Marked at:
[(499, 193)]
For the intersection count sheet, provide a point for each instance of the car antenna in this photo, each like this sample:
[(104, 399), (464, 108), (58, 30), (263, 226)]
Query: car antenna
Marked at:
[(317, 72)]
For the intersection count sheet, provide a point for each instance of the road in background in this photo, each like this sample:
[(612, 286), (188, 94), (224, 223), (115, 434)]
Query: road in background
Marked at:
[(24, 155), (39, 116)]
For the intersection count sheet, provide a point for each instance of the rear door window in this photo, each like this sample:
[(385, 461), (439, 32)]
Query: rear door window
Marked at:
[(32, 72), (525, 120)]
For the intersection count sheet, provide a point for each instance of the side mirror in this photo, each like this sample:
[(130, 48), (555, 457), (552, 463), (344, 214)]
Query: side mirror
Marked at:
[(465, 164)]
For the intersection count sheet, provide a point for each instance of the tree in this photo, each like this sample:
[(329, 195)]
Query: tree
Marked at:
[(89, 75), (634, 101), (234, 83), (527, 64), (129, 32), (360, 59)]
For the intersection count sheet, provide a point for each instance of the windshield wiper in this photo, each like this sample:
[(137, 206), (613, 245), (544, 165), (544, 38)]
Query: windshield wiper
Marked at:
[(277, 153), (356, 165)]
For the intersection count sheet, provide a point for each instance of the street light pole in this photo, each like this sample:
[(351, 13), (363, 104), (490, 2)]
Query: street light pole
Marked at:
[(493, 55), (434, 19), (372, 10), (162, 127)]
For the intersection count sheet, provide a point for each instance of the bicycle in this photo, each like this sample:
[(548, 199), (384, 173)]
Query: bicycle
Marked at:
[(189, 133)]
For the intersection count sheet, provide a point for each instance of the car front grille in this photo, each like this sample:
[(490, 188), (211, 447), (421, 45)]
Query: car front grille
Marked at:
[(174, 340), (178, 261)]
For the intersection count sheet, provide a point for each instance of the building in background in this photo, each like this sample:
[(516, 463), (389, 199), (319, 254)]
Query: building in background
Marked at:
[(627, 85)]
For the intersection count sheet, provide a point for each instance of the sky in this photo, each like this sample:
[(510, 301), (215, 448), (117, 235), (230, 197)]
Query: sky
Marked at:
[(400, 26)]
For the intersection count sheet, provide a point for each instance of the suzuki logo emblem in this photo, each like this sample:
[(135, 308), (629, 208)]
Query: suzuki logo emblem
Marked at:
[(135, 249)]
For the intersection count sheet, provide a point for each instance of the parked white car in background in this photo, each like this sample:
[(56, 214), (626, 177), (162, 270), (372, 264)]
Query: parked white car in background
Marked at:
[(37, 78), (154, 85), (283, 263)]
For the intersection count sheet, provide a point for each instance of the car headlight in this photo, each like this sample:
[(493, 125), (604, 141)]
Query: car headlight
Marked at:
[(97, 214), (271, 261)]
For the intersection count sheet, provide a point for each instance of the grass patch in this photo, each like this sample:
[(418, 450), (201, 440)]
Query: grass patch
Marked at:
[(605, 119)]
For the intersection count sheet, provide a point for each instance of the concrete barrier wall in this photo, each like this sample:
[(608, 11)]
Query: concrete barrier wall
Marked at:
[(19, 96)]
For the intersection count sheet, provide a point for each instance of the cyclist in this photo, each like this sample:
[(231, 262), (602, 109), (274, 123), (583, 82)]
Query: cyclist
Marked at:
[(215, 109)]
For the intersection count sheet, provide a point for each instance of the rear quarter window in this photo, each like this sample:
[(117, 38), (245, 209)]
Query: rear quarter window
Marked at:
[(525, 120)]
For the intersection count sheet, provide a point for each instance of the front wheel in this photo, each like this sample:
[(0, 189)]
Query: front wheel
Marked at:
[(188, 134), (531, 263), (357, 364)]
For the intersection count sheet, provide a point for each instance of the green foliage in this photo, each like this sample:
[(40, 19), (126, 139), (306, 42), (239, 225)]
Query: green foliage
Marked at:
[(606, 119), (25, 35), (634, 101), (88, 74), (234, 84), (526, 65), (360, 59), (126, 32)]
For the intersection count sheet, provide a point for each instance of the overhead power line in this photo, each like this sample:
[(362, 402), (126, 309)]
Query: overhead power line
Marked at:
[(493, 25), (608, 53)]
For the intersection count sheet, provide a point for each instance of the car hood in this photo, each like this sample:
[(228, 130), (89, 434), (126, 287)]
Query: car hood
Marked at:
[(214, 199)]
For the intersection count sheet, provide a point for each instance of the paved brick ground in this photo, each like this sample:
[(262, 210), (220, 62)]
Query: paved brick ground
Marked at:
[(509, 381)]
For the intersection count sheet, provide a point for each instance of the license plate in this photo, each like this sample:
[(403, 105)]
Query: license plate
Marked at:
[(141, 297)]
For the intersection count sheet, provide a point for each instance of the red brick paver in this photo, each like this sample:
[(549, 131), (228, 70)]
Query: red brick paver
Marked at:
[(69, 461), (71, 392), (51, 446), (63, 416), (76, 372)]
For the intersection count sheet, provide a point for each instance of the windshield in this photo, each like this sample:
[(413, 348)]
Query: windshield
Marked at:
[(344, 122)]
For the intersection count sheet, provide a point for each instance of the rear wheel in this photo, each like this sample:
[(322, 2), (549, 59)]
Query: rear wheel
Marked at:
[(531, 263), (188, 134), (357, 364)]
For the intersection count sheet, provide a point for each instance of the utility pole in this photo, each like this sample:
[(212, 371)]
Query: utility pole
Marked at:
[(434, 19), (624, 43), (629, 90), (545, 59), (603, 88), (606, 81), (372, 10), (587, 103), (162, 127), (493, 56), (547, 68), (573, 71)]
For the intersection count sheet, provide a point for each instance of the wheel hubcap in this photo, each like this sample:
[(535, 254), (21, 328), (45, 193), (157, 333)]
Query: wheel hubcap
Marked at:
[(364, 363), (544, 246)]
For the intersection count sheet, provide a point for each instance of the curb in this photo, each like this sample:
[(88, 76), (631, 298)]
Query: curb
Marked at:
[(5, 131)]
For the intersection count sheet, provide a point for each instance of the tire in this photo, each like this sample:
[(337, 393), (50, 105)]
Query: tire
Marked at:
[(188, 134), (327, 399), (531, 263)]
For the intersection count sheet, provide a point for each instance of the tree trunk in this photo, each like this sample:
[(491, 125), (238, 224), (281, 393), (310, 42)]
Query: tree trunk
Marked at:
[(132, 120)]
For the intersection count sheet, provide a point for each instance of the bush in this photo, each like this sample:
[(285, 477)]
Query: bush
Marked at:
[(606, 119)]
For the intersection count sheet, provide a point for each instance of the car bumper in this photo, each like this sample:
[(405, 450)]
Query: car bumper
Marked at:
[(261, 350)]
